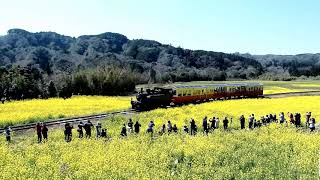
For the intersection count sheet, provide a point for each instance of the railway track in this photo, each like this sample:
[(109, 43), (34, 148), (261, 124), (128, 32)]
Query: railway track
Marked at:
[(289, 94), (126, 112), (69, 120)]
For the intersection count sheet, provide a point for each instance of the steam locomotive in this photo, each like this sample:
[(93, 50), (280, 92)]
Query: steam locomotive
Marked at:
[(185, 94)]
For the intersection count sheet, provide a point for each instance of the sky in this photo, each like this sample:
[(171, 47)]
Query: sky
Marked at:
[(245, 26)]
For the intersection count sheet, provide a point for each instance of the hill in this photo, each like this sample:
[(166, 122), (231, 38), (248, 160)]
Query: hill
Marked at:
[(288, 65), (55, 53)]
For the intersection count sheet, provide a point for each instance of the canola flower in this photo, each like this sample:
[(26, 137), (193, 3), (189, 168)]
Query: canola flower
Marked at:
[(19, 112), (276, 89), (271, 152)]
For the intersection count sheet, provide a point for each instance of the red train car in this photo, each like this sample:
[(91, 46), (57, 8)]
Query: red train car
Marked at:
[(193, 93)]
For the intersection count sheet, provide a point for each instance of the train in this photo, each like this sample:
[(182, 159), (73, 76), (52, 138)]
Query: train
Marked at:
[(174, 95)]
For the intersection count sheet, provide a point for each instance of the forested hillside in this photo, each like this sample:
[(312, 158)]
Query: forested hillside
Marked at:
[(286, 67), (54, 53)]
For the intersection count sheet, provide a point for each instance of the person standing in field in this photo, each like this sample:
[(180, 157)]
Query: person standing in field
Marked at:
[(251, 120), (150, 127), (291, 118), (312, 124), (123, 130), (68, 132), (185, 129), (205, 125), (87, 127), (98, 130), (192, 127), (7, 133), (268, 119), (104, 133), (275, 118), (39, 133), (162, 129), (175, 128), (308, 116), (216, 125), (130, 126), (297, 119), (242, 121), (169, 127), (137, 126), (271, 118), (44, 132), (212, 121), (80, 129), (225, 123), (281, 118)]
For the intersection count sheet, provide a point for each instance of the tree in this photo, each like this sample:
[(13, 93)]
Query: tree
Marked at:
[(152, 75), (52, 89)]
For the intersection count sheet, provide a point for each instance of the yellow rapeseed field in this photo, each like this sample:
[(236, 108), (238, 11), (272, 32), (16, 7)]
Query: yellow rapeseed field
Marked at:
[(17, 112), (276, 89), (270, 152), (235, 108)]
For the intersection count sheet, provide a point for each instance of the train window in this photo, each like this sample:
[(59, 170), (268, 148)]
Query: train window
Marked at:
[(189, 92)]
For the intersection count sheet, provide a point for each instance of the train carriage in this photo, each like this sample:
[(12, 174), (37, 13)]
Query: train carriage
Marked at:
[(184, 94)]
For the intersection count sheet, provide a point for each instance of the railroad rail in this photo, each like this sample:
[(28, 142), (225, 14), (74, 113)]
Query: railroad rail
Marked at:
[(289, 94), (130, 111), (69, 120)]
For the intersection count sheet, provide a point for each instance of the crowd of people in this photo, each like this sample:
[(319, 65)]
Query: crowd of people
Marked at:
[(208, 125)]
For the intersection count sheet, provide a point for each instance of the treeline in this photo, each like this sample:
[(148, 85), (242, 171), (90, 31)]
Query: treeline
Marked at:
[(30, 82), (55, 54)]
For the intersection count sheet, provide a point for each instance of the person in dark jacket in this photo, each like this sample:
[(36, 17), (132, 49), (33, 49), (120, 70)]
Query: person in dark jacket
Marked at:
[(104, 133), (193, 127), (98, 129), (137, 126), (68, 132), (175, 128), (123, 130), (169, 127), (7, 133), (205, 125), (225, 123), (213, 122), (80, 129), (150, 127), (186, 129), (39, 134), (87, 127), (162, 130), (242, 121), (44, 132)]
